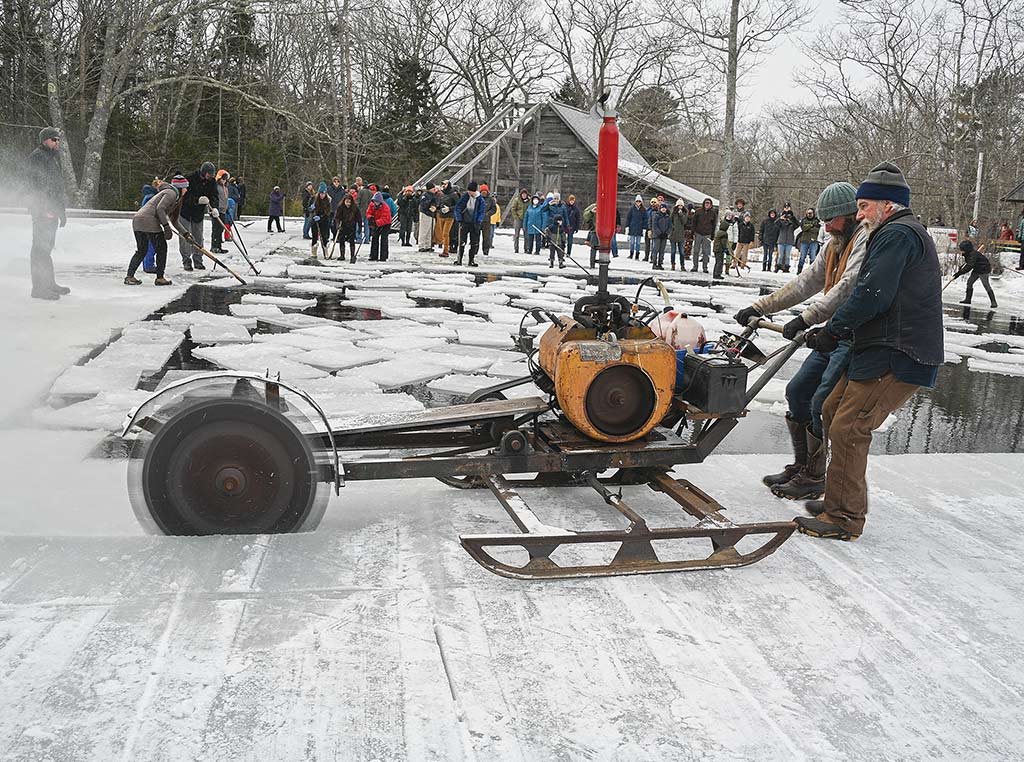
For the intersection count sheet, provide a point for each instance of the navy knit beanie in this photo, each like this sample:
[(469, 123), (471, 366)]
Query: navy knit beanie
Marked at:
[(885, 182)]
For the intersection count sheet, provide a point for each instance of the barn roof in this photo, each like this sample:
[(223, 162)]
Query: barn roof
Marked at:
[(586, 127), (1017, 194)]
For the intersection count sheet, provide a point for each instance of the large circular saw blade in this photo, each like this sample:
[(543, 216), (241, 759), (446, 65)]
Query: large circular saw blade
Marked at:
[(226, 466)]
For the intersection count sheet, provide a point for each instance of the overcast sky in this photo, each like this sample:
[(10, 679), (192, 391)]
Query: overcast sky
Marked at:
[(776, 78)]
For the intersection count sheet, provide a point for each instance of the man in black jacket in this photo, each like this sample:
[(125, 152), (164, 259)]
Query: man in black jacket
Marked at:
[(894, 318), (979, 267), (45, 193), (202, 191)]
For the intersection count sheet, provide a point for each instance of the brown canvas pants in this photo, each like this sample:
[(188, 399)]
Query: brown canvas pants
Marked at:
[(851, 413), (442, 231)]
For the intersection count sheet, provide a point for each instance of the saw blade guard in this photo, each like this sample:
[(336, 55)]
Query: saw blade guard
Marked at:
[(229, 453)]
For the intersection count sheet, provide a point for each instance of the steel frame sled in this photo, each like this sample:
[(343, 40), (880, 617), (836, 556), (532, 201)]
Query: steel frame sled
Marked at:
[(232, 452)]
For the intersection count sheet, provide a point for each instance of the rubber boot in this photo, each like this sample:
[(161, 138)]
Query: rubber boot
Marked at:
[(809, 482), (459, 260), (798, 439), (472, 261), (815, 507)]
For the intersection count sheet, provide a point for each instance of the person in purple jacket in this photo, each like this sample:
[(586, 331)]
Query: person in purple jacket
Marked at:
[(276, 209)]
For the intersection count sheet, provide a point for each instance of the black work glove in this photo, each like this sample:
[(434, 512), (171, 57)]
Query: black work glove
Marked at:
[(793, 327), (820, 340), (743, 316)]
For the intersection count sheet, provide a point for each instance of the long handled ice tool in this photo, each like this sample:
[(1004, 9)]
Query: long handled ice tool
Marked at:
[(562, 251), (215, 215), (188, 237)]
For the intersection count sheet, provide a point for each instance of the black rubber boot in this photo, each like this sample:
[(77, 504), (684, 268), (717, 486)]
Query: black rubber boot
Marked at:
[(815, 507), (809, 482), (798, 438)]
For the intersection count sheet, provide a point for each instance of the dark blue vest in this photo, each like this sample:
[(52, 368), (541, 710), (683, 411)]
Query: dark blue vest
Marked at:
[(913, 323)]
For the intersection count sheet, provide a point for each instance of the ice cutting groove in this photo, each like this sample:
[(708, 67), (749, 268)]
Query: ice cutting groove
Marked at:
[(460, 714), (156, 672), (727, 670)]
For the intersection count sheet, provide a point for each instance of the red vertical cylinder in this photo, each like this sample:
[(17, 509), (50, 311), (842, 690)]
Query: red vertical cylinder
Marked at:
[(607, 180)]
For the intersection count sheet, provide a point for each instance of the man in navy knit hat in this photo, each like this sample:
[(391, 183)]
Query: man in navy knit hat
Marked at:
[(894, 318)]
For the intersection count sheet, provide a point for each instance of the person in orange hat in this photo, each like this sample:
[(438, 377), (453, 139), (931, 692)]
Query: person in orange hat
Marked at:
[(487, 229)]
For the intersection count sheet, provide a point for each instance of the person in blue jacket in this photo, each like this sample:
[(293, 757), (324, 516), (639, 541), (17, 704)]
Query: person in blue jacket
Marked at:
[(636, 224), (534, 221), (469, 213), (556, 224)]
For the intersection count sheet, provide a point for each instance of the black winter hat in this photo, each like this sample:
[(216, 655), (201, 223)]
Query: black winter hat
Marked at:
[(471, 187), (966, 246), (207, 168), (430, 186)]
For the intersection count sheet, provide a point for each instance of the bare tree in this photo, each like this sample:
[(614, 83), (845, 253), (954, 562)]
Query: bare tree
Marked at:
[(731, 35)]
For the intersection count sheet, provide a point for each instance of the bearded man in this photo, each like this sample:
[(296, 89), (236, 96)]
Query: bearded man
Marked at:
[(835, 275), (894, 318)]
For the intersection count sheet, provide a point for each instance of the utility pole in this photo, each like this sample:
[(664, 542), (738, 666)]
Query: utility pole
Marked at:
[(731, 65), (977, 187)]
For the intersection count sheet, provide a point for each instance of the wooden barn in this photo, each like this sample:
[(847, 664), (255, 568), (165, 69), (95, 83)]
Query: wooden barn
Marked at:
[(551, 146)]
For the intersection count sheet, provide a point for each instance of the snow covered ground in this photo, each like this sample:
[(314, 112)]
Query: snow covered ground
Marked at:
[(377, 637)]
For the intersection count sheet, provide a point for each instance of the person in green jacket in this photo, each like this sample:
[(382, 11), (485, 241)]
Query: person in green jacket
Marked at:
[(810, 226), (516, 211)]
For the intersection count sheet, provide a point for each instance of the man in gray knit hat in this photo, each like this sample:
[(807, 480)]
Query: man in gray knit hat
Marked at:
[(834, 273), (894, 319), (45, 194)]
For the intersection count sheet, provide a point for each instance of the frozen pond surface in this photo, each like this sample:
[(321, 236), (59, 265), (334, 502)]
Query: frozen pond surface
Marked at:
[(377, 638)]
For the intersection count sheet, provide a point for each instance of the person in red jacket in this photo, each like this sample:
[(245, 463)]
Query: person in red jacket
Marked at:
[(378, 218)]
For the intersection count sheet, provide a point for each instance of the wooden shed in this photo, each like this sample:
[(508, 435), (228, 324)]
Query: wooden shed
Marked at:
[(552, 146)]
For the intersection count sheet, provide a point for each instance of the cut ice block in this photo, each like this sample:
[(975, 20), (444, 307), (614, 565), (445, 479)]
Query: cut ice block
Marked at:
[(259, 358), (317, 273), (394, 374), (349, 405), (292, 339), (338, 385), (451, 357), (254, 310), (293, 321), (509, 369), (402, 343), (284, 302), (312, 287), (148, 357), (461, 384), (104, 412), (334, 332), (499, 339), (222, 334), (341, 358), (405, 328), (88, 381)]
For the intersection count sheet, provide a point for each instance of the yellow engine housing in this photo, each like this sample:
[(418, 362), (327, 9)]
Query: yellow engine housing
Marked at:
[(612, 391)]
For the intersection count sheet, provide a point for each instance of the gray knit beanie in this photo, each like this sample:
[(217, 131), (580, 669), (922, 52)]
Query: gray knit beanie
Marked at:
[(885, 182), (48, 132), (837, 200)]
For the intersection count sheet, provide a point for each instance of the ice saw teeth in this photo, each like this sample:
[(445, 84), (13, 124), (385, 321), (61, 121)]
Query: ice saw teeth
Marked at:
[(232, 453)]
